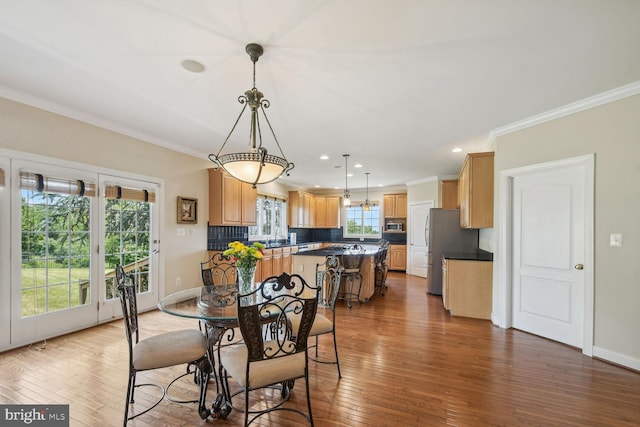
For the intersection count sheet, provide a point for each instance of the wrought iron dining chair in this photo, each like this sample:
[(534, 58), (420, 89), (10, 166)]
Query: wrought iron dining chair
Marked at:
[(350, 264), (279, 357), (187, 346), (328, 282), (219, 270)]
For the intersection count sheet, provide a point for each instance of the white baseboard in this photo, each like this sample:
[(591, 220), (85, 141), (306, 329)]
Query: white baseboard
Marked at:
[(617, 358)]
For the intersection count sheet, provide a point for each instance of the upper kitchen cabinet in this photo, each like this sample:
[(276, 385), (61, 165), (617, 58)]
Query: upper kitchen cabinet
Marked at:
[(308, 211), (301, 209), (231, 202), (327, 212), (395, 205), (449, 193), (475, 191)]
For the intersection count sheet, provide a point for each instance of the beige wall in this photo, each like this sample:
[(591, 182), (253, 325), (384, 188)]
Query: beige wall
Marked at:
[(30, 130), (424, 191), (612, 132)]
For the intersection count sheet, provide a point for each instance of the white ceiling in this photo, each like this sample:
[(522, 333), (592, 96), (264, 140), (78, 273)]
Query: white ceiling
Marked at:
[(396, 84)]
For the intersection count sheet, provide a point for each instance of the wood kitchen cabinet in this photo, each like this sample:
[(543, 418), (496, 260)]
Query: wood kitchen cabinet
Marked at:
[(449, 193), (397, 257), (307, 210), (264, 267), (395, 205), (287, 264), (277, 263), (475, 191), (327, 212), (231, 202), (467, 288), (301, 209)]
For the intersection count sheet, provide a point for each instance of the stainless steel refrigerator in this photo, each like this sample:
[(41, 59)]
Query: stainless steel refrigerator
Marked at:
[(445, 235)]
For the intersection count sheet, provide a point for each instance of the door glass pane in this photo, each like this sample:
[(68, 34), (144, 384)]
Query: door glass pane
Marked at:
[(55, 252), (127, 242)]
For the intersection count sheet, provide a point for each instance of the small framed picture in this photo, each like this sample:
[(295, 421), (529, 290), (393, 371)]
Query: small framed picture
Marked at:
[(187, 210)]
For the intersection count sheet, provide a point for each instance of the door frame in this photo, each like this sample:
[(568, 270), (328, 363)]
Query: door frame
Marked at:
[(502, 314)]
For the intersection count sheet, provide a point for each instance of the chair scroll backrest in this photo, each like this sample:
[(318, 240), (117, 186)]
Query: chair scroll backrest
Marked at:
[(328, 281), (127, 293), (352, 258), (270, 307), (219, 270)]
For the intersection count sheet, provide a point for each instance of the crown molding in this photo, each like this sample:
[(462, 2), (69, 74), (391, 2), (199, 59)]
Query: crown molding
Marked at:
[(422, 181), (575, 107)]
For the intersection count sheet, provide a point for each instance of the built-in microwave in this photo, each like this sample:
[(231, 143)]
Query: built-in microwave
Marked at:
[(394, 226)]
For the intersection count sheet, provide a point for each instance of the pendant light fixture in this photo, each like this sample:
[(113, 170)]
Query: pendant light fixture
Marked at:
[(367, 204), (255, 166), (346, 198)]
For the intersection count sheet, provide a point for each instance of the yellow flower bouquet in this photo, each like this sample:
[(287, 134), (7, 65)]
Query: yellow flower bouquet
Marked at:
[(246, 258)]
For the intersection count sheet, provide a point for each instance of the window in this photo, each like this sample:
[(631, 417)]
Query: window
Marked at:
[(127, 235), (361, 222), (271, 219)]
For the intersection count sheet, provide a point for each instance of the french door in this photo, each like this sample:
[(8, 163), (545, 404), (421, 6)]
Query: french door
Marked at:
[(68, 229), (5, 265), (129, 236), (53, 229)]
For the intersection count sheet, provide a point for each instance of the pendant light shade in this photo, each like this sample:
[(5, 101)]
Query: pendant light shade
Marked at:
[(256, 166), (367, 203)]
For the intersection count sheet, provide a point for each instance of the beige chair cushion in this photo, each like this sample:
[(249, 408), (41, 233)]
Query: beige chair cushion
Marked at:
[(169, 349), (264, 372), (321, 324)]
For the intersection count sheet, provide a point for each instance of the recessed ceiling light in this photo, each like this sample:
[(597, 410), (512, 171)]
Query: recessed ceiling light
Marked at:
[(357, 165), (317, 186), (324, 157), (349, 174), (456, 150), (193, 66)]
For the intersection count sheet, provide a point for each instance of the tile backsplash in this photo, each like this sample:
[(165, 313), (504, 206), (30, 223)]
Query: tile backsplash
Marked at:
[(218, 237)]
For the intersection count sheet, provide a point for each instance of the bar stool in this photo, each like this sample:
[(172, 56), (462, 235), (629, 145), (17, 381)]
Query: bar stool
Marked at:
[(350, 263), (381, 267)]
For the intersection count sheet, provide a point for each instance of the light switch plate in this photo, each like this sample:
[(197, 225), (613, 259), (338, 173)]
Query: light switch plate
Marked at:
[(615, 240)]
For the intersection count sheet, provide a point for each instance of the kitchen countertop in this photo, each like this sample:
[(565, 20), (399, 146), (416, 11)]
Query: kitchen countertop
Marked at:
[(479, 255), (338, 250)]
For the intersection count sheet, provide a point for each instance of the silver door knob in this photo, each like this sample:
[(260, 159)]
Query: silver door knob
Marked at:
[(579, 267)]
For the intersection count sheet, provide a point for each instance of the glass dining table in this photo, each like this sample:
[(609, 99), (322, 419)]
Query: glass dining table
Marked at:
[(215, 307)]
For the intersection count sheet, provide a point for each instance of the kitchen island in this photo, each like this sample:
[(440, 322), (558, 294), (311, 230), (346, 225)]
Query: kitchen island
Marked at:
[(304, 264)]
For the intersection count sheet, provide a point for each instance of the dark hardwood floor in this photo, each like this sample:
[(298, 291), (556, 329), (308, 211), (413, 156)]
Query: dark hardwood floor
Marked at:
[(404, 360)]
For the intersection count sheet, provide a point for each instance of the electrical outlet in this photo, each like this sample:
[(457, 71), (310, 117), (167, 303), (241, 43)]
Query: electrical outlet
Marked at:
[(301, 268), (178, 281)]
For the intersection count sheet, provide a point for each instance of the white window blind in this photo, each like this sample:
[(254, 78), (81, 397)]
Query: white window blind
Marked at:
[(46, 184), (117, 192)]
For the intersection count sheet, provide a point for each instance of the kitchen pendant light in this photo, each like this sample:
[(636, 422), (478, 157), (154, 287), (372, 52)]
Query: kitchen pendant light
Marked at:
[(346, 198), (367, 204), (255, 166)]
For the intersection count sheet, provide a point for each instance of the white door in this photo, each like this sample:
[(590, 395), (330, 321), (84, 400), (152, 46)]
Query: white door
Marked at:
[(419, 238), (53, 228), (5, 253), (549, 253), (129, 232)]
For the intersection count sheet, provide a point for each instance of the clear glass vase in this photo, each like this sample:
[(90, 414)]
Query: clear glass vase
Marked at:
[(246, 279)]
